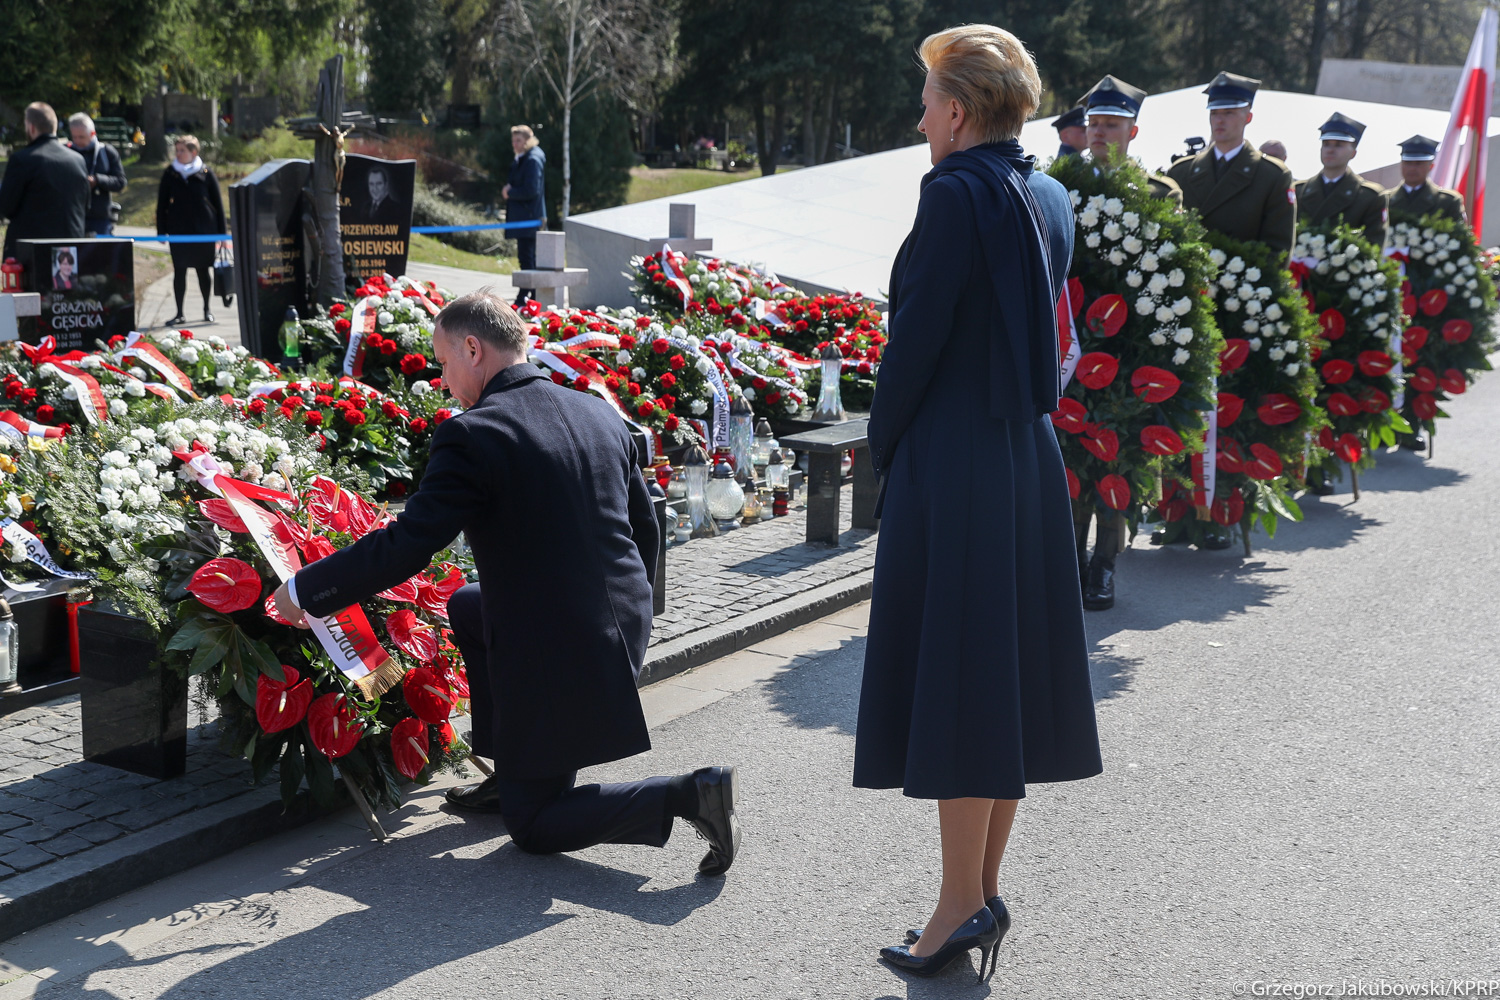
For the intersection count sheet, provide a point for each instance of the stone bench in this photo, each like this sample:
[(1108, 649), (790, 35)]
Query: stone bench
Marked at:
[(825, 447)]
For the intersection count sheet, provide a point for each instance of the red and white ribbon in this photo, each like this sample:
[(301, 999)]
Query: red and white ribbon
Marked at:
[(564, 364), (151, 356), (90, 397), (18, 428), (1067, 336), (676, 278), (35, 551), (360, 327), (1206, 463)]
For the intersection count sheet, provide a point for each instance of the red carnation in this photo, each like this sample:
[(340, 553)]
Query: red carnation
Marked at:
[(1103, 444), (1375, 363), (559, 378), (677, 362), (1277, 408), (633, 388), (1456, 331), (671, 422), (667, 380), (353, 417), (388, 347), (773, 397), (1114, 491), (1235, 353), (581, 383), (644, 410), (374, 342), (418, 425), (313, 418), (641, 322), (337, 309), (1425, 406), (342, 326), (413, 363), (627, 341), (1264, 463), (1229, 408), (1107, 314), (660, 345), (45, 413), (443, 413), (256, 406), (1453, 382), (1337, 372), (1154, 385), (1159, 439), (1097, 369)]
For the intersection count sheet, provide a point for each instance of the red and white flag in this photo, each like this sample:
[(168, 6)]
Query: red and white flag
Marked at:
[(1463, 156)]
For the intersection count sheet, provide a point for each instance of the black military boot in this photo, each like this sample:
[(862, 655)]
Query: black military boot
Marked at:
[(1099, 591)]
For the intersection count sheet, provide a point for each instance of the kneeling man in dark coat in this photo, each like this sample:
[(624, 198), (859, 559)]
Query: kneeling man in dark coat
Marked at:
[(544, 481)]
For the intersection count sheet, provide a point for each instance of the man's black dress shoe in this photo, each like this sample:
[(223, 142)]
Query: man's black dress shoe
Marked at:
[(1216, 540), (718, 794), (483, 797)]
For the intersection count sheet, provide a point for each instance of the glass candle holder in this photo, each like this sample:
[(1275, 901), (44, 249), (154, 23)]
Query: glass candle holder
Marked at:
[(725, 499), (830, 407)]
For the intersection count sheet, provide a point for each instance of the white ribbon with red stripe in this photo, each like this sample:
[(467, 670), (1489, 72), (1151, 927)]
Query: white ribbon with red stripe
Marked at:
[(18, 428), (35, 551), (1069, 351), (1206, 464), (151, 356), (361, 325)]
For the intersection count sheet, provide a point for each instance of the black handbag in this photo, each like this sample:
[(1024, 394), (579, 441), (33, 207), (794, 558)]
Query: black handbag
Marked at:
[(224, 277)]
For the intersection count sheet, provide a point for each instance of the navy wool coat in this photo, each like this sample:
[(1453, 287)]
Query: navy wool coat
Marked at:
[(545, 484), (976, 668), (527, 188)]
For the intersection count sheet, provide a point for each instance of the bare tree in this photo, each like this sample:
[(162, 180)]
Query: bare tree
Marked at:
[(579, 48)]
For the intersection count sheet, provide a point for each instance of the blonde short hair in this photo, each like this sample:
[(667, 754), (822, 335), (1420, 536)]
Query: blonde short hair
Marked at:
[(190, 141), (988, 71), (524, 131)]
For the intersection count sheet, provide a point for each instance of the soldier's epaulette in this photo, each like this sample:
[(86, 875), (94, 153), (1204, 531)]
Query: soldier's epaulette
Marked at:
[(1178, 157)]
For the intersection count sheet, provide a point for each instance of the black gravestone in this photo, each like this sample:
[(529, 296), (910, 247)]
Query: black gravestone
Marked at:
[(87, 288), (375, 216), (269, 250)]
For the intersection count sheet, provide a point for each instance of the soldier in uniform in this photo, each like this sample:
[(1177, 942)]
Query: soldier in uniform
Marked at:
[(1417, 196), (1113, 107), (1236, 188), (1070, 132), (1338, 194)]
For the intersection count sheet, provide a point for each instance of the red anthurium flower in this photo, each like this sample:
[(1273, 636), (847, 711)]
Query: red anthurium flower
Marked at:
[(1337, 372), (1277, 408), (1228, 510), (1230, 406), (409, 747), (1107, 314), (1075, 295), (1070, 415), (1453, 382), (1235, 353), (1158, 439), (446, 735), (1097, 369), (226, 584), (1103, 444), (1433, 302), (1341, 404), (317, 547), (281, 704), (329, 503), (1374, 401), (334, 725), (1409, 304), (1264, 463), (1414, 339), (1375, 363), (432, 595), (405, 592), (412, 634), (1423, 380), (1074, 487), (1114, 491), (1325, 438), (1311, 300), (1154, 385), (1456, 331), (427, 694), (457, 678), (1229, 458), (1349, 448), (272, 612), (220, 513), (1331, 324), (1425, 406), (1173, 510)]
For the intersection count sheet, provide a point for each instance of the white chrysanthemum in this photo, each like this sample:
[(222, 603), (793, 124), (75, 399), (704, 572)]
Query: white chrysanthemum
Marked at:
[(1236, 265), (1228, 282), (1293, 368), (1149, 261), (1116, 257), (1075, 197), (1130, 220), (1252, 308), (1132, 244), (1276, 353), (1088, 218), (1217, 257), (1253, 274), (1273, 311), (1263, 293), (1112, 231), (1250, 326), (1180, 356), (1290, 346), (1151, 230), (1246, 292), (1231, 304)]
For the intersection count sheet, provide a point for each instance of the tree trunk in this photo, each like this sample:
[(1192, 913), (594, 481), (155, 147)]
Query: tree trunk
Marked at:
[(569, 82), (778, 126), (461, 75), (1316, 42), (809, 126), (825, 127)]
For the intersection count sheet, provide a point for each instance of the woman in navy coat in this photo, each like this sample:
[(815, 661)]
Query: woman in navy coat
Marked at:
[(525, 198), (976, 674)]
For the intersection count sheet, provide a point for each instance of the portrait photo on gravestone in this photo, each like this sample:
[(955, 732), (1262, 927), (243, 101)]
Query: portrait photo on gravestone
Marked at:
[(375, 216), (87, 289)]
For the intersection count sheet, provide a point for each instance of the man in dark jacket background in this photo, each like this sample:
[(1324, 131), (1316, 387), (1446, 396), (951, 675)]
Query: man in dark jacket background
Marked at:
[(544, 482), (45, 189), (525, 198), (106, 174)]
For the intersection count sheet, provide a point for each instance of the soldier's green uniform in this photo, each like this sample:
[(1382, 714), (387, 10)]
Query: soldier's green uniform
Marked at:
[(1247, 197), (1350, 199), (1408, 204)]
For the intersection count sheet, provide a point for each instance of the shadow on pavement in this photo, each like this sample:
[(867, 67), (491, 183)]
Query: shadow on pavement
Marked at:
[(1407, 472), (775, 564), (485, 902)]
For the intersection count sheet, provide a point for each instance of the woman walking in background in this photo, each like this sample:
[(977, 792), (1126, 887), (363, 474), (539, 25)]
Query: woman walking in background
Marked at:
[(976, 668), (189, 204), (525, 199)]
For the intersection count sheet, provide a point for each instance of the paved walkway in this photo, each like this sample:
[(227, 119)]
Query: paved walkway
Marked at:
[(1299, 788)]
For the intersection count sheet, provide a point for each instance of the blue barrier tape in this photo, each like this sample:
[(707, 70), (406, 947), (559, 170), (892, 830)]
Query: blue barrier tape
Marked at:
[(428, 230)]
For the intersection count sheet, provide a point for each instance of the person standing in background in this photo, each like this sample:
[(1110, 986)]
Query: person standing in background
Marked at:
[(189, 204), (525, 198), (1072, 134), (45, 188), (106, 174)]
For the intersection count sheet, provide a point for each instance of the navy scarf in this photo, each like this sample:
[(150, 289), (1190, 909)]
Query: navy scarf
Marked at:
[(1013, 239)]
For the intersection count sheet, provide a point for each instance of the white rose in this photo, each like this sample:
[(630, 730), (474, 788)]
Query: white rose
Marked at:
[(1290, 346), (749, 392), (1263, 293), (1151, 230), (1232, 305), (1253, 274), (1228, 282), (1250, 326), (1116, 257), (1088, 218), (1293, 368), (1273, 311), (1252, 308), (1180, 356), (1130, 220), (1367, 300), (1237, 265), (1112, 231), (1217, 257), (1075, 197), (1113, 207), (1276, 354)]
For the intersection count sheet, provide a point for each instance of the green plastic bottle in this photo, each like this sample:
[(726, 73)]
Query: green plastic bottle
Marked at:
[(291, 331)]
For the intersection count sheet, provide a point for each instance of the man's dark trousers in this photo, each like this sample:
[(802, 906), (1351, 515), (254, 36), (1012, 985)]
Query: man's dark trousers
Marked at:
[(549, 815)]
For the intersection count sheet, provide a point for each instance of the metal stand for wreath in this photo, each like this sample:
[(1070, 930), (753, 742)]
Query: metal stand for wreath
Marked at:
[(364, 808)]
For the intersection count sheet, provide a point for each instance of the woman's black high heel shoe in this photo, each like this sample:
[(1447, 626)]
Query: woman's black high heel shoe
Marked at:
[(996, 906), (979, 931)]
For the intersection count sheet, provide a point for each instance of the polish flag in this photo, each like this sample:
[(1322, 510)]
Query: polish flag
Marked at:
[(1461, 160)]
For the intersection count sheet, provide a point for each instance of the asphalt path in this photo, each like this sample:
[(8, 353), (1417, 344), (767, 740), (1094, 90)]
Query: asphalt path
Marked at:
[(1300, 751)]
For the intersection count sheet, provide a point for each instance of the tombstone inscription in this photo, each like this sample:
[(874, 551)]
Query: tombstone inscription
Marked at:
[(266, 219)]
